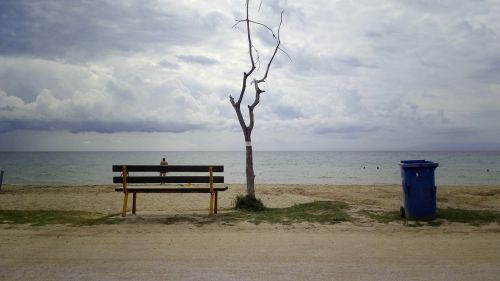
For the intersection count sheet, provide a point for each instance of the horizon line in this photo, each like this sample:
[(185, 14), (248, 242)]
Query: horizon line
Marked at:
[(265, 150)]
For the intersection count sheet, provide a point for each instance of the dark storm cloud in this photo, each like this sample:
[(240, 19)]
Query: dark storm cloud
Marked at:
[(97, 126), (76, 30)]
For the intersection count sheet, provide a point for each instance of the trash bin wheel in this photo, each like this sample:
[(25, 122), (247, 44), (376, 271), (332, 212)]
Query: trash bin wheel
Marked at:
[(402, 211)]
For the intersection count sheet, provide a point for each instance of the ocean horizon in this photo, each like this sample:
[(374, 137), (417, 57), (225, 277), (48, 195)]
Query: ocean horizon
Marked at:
[(456, 168)]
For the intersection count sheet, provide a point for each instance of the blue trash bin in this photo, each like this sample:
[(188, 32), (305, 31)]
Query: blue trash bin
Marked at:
[(419, 189)]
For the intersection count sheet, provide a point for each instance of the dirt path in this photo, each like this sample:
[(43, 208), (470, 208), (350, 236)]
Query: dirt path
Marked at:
[(183, 252)]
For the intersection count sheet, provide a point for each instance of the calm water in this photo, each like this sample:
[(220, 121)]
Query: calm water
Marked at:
[(323, 167)]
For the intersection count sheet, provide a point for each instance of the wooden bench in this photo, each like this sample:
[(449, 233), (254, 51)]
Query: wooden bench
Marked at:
[(195, 184)]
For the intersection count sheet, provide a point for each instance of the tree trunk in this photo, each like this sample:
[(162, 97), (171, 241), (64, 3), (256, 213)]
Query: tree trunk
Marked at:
[(250, 173)]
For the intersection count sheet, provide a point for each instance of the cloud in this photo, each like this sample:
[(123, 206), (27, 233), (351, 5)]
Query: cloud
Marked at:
[(458, 132), (385, 75), (489, 72), (197, 59), (82, 30), (106, 102), (167, 64), (78, 126), (346, 129), (9, 102), (287, 112)]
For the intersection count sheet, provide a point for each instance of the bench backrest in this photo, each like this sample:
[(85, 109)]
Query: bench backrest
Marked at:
[(168, 178)]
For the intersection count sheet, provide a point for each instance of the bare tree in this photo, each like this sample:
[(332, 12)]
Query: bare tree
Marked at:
[(247, 129)]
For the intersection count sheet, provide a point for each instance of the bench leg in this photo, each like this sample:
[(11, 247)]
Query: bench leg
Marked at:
[(211, 204), (133, 202), (125, 199), (215, 203)]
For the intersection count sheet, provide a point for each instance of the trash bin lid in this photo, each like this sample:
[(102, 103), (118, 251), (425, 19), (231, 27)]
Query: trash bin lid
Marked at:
[(418, 164)]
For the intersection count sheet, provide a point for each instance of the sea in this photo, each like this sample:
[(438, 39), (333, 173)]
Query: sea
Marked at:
[(456, 168)]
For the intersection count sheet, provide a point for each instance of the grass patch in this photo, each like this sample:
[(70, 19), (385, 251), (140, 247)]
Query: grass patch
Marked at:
[(472, 217), (395, 216), (323, 212), (44, 217), (246, 203)]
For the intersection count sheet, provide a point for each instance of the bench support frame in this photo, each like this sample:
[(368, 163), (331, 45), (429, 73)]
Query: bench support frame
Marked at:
[(212, 208)]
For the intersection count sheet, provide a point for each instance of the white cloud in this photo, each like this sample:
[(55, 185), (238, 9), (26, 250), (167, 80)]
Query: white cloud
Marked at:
[(9, 102)]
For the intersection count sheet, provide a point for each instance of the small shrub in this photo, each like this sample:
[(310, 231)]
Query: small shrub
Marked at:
[(246, 203)]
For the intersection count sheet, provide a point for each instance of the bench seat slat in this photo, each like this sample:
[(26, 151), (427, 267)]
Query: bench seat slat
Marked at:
[(170, 189), (169, 179), (170, 168)]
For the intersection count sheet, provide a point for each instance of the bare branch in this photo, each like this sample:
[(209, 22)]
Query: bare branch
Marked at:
[(274, 53), (252, 122), (258, 23), (243, 88), (256, 82), (258, 91), (268, 28), (247, 74), (253, 105), (241, 120), (249, 40), (258, 57), (284, 52), (231, 99)]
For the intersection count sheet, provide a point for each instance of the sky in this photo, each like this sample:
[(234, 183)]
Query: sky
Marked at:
[(157, 75)]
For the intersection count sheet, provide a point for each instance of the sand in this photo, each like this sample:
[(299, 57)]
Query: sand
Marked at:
[(142, 249)]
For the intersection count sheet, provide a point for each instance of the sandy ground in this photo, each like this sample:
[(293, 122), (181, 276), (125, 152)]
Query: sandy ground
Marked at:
[(141, 249)]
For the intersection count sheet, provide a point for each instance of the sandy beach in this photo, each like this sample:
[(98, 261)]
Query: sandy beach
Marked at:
[(143, 248)]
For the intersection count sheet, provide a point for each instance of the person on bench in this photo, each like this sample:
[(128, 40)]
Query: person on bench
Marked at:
[(163, 162)]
